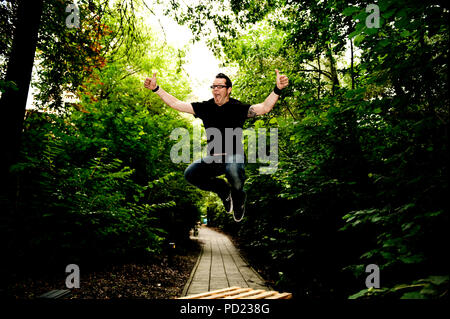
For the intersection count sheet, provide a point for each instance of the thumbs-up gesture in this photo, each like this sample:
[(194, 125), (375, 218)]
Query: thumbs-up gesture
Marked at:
[(282, 80), (150, 83)]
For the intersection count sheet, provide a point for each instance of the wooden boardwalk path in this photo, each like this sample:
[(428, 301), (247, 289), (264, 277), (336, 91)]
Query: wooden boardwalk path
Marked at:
[(220, 266)]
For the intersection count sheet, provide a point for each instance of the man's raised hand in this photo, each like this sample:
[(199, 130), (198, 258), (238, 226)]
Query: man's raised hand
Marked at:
[(282, 80), (150, 83)]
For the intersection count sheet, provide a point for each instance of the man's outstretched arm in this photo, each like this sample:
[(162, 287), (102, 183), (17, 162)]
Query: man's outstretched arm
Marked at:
[(269, 102), (173, 102)]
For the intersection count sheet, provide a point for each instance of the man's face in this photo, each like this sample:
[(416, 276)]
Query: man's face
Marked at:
[(221, 92)]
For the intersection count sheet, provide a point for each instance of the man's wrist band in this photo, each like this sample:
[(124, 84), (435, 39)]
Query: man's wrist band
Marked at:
[(277, 91), (156, 89)]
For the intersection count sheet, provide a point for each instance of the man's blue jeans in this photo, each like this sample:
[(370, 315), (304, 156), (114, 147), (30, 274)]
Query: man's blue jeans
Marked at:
[(204, 173)]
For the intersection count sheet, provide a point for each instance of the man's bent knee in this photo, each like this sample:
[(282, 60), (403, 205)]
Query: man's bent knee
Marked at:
[(191, 173), (188, 174)]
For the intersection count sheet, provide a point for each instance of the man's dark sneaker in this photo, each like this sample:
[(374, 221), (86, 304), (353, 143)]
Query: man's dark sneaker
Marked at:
[(227, 202), (239, 207)]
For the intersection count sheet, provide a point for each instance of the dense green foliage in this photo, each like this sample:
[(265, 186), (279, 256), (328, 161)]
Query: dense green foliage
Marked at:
[(363, 142), (95, 181), (362, 176)]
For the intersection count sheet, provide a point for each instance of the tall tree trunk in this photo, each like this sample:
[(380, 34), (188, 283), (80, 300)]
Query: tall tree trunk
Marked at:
[(13, 101), (318, 80), (333, 69), (352, 72)]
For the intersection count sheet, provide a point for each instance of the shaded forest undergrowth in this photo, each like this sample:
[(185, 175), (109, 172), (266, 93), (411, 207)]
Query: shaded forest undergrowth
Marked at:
[(161, 277)]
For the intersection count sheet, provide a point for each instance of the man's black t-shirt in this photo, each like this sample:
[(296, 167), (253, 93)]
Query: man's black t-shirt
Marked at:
[(230, 115)]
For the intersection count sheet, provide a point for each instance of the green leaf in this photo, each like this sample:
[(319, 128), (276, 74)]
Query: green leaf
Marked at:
[(371, 31), (354, 33), (349, 11), (413, 295), (412, 259), (388, 14), (359, 294), (273, 120), (438, 280), (384, 42), (359, 38), (404, 33)]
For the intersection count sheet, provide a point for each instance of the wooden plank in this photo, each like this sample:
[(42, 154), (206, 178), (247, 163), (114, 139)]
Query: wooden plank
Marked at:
[(240, 293), (191, 276), (228, 293), (263, 295), (55, 294), (246, 294), (284, 295), (206, 294)]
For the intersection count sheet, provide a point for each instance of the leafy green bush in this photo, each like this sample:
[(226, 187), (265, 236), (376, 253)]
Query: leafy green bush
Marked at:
[(363, 144), (95, 181)]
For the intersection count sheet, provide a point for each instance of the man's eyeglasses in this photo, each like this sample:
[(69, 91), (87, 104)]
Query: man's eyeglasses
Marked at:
[(218, 86)]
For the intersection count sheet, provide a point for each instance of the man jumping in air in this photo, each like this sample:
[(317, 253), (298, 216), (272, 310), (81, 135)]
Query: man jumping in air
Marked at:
[(222, 115)]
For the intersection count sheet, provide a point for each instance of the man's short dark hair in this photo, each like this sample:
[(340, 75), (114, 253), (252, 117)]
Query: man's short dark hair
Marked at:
[(227, 79)]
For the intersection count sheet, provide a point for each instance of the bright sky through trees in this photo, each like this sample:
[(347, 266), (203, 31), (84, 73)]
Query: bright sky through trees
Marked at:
[(201, 65)]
